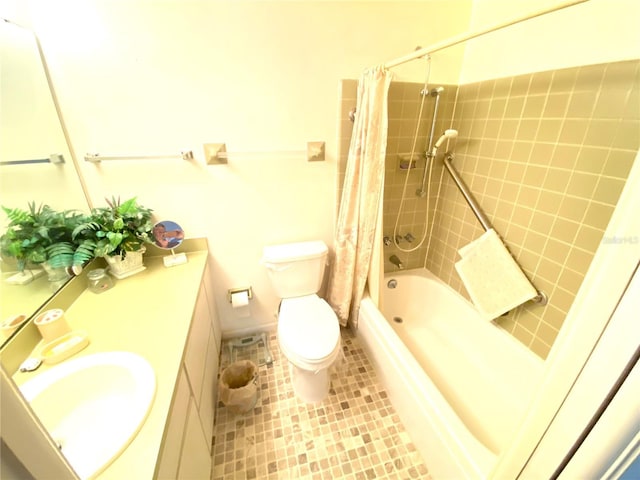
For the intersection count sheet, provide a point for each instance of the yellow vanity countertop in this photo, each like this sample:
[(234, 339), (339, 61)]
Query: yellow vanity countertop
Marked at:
[(149, 314)]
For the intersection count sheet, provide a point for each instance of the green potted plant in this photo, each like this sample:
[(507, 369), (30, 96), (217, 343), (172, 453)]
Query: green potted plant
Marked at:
[(120, 232), (42, 236)]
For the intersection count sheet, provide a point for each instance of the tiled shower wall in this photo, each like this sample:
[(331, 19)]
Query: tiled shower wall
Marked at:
[(404, 211), (545, 154)]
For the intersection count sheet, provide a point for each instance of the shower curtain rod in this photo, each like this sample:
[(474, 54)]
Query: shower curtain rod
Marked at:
[(469, 36)]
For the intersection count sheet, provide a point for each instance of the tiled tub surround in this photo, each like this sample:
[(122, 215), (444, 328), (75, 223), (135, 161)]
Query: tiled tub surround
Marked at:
[(404, 106), (546, 155), (353, 434)]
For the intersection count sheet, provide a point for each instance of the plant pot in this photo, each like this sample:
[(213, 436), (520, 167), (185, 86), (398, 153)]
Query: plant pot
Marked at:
[(130, 265)]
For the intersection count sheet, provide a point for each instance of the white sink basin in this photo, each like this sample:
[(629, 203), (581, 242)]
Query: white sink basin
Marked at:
[(93, 406)]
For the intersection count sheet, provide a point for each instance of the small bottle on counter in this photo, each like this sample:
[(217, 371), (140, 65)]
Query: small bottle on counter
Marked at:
[(99, 280)]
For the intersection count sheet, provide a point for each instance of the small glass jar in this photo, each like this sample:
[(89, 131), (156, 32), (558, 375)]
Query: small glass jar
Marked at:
[(99, 280)]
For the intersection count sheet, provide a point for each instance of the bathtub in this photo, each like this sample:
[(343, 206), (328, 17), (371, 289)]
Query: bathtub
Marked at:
[(460, 384)]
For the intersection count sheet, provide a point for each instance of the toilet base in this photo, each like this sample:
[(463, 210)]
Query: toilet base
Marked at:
[(309, 386)]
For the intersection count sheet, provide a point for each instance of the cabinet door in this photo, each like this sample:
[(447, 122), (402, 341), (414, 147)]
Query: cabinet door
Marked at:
[(195, 461), (209, 389), (215, 320), (171, 449), (197, 343)]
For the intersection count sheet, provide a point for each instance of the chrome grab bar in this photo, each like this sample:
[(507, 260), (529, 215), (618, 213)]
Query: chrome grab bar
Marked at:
[(541, 298), (466, 193)]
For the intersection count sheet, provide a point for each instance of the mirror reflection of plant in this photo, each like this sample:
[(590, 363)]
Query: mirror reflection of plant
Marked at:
[(40, 234), (74, 253), (120, 227)]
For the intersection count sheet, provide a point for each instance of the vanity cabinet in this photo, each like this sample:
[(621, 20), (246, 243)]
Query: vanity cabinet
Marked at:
[(195, 460), (167, 316), (187, 446), (175, 429)]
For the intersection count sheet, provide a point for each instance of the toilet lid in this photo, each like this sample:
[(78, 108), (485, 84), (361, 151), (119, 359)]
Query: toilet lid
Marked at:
[(308, 327)]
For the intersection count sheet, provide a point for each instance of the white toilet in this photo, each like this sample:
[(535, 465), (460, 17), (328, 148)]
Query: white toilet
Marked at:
[(308, 329)]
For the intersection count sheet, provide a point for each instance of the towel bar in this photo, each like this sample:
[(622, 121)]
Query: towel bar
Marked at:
[(96, 157), (55, 158)]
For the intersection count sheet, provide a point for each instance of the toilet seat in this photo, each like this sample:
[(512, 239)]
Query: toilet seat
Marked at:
[(308, 332)]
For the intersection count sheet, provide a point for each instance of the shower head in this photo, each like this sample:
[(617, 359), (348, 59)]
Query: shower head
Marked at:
[(451, 133)]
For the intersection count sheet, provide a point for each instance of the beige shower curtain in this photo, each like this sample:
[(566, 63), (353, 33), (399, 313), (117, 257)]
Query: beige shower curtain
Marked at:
[(360, 205)]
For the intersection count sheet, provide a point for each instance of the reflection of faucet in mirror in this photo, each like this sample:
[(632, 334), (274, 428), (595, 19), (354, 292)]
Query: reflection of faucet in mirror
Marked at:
[(30, 129)]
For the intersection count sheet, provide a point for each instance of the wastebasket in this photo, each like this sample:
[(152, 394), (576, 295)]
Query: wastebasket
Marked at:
[(238, 386)]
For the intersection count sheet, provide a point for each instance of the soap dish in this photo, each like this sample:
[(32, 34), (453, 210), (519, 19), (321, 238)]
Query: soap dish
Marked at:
[(63, 347)]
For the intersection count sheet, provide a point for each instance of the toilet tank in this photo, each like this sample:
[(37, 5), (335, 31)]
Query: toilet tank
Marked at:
[(296, 269)]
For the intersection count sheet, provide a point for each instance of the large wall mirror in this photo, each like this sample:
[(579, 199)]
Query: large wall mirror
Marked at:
[(35, 159)]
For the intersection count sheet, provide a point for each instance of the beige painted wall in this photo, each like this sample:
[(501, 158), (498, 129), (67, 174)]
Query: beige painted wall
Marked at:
[(159, 77), (597, 31)]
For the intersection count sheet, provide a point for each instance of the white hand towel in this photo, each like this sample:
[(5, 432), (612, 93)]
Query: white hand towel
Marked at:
[(495, 282)]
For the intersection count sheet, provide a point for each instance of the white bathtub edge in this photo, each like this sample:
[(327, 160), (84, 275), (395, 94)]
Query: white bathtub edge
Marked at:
[(444, 457)]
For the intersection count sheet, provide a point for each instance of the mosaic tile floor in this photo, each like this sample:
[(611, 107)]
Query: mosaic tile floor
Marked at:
[(353, 434)]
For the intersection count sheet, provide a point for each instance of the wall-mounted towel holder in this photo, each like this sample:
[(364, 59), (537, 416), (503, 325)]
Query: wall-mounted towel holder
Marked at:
[(55, 158), (96, 157)]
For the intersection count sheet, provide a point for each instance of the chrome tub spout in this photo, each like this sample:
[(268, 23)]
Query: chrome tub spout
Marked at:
[(396, 261)]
